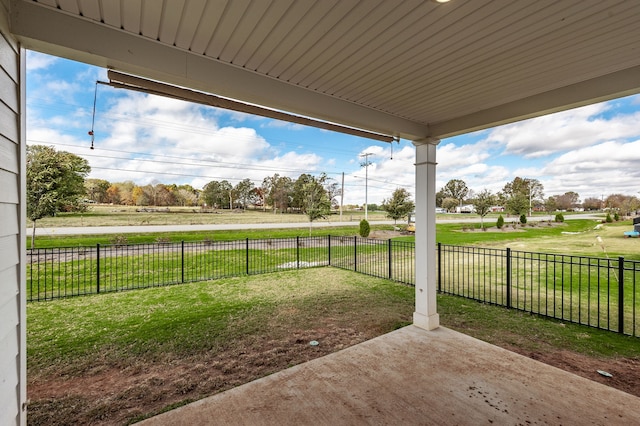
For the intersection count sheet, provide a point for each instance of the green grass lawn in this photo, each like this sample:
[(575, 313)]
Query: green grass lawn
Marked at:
[(195, 317), (106, 215), (232, 235), (121, 357)]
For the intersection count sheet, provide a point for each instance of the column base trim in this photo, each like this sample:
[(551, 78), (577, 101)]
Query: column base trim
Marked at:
[(430, 322)]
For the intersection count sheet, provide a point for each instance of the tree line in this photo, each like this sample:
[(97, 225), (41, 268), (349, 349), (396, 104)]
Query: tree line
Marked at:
[(280, 193), (56, 182), (523, 195)]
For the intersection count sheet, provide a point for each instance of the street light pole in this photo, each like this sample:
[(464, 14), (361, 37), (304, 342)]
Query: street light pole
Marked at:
[(530, 198), (365, 164)]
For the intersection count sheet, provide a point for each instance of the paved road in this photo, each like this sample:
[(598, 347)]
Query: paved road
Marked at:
[(95, 230), (99, 230)]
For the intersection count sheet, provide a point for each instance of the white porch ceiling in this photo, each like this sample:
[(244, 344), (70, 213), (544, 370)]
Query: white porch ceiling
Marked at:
[(411, 68)]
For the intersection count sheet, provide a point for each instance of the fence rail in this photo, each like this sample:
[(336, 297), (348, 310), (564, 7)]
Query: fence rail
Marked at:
[(602, 293)]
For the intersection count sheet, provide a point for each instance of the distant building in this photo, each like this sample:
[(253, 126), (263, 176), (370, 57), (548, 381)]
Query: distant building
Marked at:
[(467, 208)]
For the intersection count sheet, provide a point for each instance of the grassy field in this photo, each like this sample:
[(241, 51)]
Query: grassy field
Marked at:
[(119, 357), (106, 215), (116, 358), (233, 235)]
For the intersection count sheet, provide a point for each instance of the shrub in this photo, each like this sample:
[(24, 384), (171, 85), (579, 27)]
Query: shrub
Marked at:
[(616, 216), (523, 219), (608, 219), (559, 217), (365, 229), (500, 222)]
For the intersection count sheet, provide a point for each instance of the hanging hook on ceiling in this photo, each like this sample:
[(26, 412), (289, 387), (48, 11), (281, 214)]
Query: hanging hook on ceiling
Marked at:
[(93, 115)]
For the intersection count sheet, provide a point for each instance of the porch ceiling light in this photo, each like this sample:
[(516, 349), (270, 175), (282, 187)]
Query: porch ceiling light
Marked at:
[(126, 81)]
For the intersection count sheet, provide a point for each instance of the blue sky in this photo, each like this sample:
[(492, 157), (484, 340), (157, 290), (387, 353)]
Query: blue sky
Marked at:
[(593, 150)]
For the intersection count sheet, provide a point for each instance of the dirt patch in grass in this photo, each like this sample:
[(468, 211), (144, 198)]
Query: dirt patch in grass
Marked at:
[(625, 372), (108, 395)]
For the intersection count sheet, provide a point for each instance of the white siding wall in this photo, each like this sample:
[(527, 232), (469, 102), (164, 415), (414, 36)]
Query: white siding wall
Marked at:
[(12, 221)]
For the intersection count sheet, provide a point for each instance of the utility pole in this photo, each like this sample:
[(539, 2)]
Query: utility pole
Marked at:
[(341, 196), (530, 213), (366, 164)]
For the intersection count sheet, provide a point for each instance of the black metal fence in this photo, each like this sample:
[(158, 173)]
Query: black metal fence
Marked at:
[(73, 271), (598, 292)]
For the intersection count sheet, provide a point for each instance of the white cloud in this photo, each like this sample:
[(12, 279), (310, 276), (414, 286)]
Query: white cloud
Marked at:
[(39, 61), (605, 168), (451, 157), (385, 175), (564, 131)]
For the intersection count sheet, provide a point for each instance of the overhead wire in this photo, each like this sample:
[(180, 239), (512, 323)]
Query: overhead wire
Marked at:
[(193, 130), (274, 143)]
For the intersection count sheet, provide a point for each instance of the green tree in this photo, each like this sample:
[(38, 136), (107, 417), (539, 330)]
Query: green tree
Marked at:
[(96, 190), (399, 205), (521, 194), (449, 203), (242, 191), (217, 194), (55, 182), (517, 204), (316, 202), (457, 189), (439, 198), (278, 192), (551, 205), (482, 203), (298, 192)]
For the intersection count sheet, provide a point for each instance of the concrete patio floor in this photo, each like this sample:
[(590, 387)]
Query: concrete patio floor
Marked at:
[(415, 377)]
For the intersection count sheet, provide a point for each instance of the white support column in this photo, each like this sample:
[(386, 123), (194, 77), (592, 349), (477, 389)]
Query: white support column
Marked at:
[(426, 314)]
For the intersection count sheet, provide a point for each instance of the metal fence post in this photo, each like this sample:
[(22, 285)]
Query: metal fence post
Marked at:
[(98, 268), (389, 258), (247, 253), (355, 253), (621, 294), (508, 277), (298, 252), (439, 267), (182, 262), (329, 247)]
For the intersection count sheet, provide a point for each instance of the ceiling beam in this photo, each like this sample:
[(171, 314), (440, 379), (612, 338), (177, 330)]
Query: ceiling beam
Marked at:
[(130, 82)]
